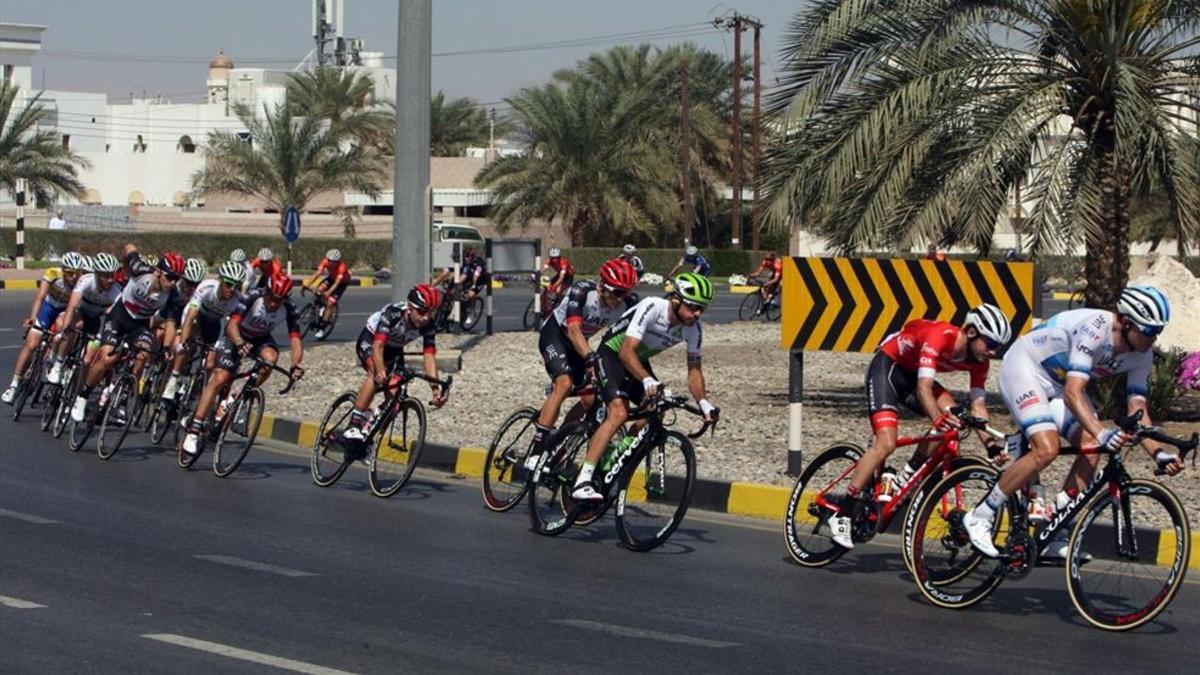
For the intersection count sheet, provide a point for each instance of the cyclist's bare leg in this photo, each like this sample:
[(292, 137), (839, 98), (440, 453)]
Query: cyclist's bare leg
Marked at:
[(552, 406), (1084, 466), (366, 393), (882, 446), (1043, 449), (216, 383), (31, 340), (270, 355), (105, 359), (618, 412)]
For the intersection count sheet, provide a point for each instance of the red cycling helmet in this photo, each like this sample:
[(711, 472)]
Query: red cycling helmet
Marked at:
[(424, 297), (281, 285), (172, 264), (618, 274)]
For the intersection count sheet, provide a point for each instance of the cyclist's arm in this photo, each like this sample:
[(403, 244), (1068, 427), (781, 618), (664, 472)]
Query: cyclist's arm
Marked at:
[(233, 331), (1076, 399), (38, 298), (297, 348), (169, 334), (576, 338), (292, 317), (442, 276), (673, 269), (629, 358), (1135, 391), (695, 375), (378, 364), (1085, 341), (72, 306), (189, 320)]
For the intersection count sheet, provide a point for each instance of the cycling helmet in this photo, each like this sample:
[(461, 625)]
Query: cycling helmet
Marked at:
[(89, 264), (1146, 306), (172, 264), (555, 252), (281, 285), (72, 261), (150, 259), (424, 297), (990, 322), (693, 288), (265, 254), (194, 270), (692, 250), (618, 274), (628, 249), (333, 255), (232, 271), (105, 263), (237, 255)]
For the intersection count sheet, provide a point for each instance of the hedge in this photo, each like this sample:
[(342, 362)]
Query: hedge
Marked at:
[(660, 260)]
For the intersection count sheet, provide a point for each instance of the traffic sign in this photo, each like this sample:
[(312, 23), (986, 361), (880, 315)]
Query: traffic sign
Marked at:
[(851, 304), (291, 224)]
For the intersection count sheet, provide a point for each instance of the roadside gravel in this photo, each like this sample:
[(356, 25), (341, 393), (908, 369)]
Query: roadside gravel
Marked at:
[(746, 371)]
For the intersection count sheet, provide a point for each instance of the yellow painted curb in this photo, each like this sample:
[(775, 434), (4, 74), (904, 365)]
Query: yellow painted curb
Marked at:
[(21, 284), (267, 426), (742, 290), (366, 281), (496, 283), (307, 434), (470, 461), (762, 501), (1060, 295), (1167, 546)]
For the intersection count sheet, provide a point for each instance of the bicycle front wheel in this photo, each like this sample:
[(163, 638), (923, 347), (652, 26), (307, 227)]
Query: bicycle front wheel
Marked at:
[(396, 454), (50, 405), (472, 312), (504, 475), (655, 493), (750, 306), (307, 319), (239, 428), (818, 492), (551, 480), (117, 417), (1117, 577), (917, 497), (328, 457)]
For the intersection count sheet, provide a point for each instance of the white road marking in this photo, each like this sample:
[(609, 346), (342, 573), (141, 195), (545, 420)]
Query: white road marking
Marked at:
[(7, 330), (253, 565), (243, 654), (18, 604), (11, 347), (36, 520), (627, 631)]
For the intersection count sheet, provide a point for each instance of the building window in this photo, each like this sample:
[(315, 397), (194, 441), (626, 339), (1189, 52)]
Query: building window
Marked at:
[(186, 145), (66, 141), (139, 145)]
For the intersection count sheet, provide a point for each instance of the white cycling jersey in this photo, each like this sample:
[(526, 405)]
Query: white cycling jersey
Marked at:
[(94, 300), (1073, 344), (582, 305), (649, 323), (207, 303)]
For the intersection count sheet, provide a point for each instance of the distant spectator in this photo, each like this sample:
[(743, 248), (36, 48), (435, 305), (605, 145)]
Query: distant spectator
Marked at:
[(932, 253), (57, 222)]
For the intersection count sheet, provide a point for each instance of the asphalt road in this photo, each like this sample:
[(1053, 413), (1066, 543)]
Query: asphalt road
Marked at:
[(136, 565)]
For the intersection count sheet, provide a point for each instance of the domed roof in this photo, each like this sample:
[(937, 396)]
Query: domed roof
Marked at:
[(221, 60)]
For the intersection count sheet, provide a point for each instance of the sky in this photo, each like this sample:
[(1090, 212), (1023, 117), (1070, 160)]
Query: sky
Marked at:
[(132, 46)]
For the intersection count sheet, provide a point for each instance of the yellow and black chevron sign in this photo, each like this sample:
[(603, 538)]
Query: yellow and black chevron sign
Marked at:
[(851, 304)]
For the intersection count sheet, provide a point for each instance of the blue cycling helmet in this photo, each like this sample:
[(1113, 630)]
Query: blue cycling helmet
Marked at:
[(1146, 306)]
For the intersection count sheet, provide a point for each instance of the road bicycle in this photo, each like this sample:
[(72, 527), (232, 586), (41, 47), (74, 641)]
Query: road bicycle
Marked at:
[(650, 479), (310, 316), (57, 412), (187, 396), (820, 491), (394, 440), (30, 388), (532, 320), (1121, 572), (469, 311), (753, 306), (233, 425), (111, 413)]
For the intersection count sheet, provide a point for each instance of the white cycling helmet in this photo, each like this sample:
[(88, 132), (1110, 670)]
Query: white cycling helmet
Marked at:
[(88, 265), (555, 252), (71, 261), (692, 250), (237, 255), (1146, 306), (991, 323), (265, 254), (105, 263), (194, 270), (333, 255), (628, 249), (232, 271)]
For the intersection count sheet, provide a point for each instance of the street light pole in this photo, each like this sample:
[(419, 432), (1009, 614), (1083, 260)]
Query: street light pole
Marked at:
[(411, 195)]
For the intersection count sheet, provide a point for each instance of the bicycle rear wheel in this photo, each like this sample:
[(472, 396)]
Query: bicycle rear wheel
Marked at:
[(327, 327), (307, 319), (328, 457), (553, 477), (239, 428), (505, 478), (29, 381), (819, 489), (472, 312), (750, 305), (948, 571), (117, 417), (655, 493), (917, 497), (50, 401), (1130, 581), (396, 454)]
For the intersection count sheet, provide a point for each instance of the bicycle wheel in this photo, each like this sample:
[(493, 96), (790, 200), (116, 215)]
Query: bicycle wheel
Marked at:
[(555, 474), (327, 327), (818, 492), (948, 571), (70, 376), (472, 312), (239, 428), (917, 496), (29, 381), (307, 319), (655, 493), (81, 431), (505, 478), (749, 307), (1128, 583), (151, 391), (774, 309), (328, 457), (117, 417), (398, 450), (186, 402), (50, 403)]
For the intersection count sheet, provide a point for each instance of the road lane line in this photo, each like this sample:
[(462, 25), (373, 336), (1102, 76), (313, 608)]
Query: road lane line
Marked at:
[(18, 604), (11, 347), (627, 631), (253, 565), (243, 654), (36, 520)]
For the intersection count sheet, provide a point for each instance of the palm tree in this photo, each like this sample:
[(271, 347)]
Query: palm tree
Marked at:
[(456, 125), (909, 122), (287, 160), (346, 99), (34, 155)]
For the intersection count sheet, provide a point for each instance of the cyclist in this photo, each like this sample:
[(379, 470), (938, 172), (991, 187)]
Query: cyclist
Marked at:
[(263, 267), (54, 292), (1043, 382), (147, 292), (629, 255), (773, 265), (248, 333), (238, 256), (563, 272), (691, 257), (623, 362), (903, 372), (334, 274), (206, 309), (472, 276), (587, 308), (167, 322), (381, 343), (93, 295)]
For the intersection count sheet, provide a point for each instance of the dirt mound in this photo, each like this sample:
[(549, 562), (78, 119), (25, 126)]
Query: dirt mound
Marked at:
[(1183, 290)]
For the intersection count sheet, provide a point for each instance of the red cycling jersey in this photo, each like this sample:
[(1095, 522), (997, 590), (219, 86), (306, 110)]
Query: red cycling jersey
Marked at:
[(927, 346), (267, 268), (562, 265), (337, 271), (775, 266)]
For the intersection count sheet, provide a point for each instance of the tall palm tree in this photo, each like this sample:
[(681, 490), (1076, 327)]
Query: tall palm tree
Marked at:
[(287, 161), (343, 97), (34, 155), (907, 122), (456, 125)]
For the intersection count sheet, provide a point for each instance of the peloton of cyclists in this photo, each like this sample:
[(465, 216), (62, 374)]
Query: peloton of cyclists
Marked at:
[(53, 295)]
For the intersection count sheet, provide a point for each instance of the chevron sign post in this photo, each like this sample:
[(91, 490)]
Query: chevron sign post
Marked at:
[(852, 304)]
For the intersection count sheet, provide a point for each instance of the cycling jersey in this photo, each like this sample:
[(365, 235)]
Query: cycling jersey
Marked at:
[(774, 266), (261, 271), (93, 300), (334, 271), (648, 322), (470, 269), (139, 298), (698, 263), (255, 320), (58, 293), (583, 306), (390, 325), (926, 347), (561, 266), (173, 310), (636, 262), (207, 303)]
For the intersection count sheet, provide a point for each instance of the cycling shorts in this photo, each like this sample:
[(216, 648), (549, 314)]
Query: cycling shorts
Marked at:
[(559, 357), (92, 325), (326, 282), (365, 347), (888, 387), (228, 357), (121, 327), (614, 381), (46, 316), (1028, 393)]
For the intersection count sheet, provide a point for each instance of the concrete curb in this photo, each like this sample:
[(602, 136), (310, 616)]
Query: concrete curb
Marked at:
[(754, 500), (19, 284), (742, 290)]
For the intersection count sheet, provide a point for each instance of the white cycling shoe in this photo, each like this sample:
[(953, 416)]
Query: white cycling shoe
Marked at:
[(531, 461), (839, 530), (586, 492), (54, 376), (8, 395), (980, 532), (1057, 549), (169, 389), (191, 443), (79, 409)]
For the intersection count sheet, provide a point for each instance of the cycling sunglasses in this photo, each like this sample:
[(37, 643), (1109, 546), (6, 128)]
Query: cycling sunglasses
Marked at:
[(616, 292), (695, 308), (1151, 332), (991, 344)]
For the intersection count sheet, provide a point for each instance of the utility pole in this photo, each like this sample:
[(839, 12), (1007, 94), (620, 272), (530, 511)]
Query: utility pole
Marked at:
[(736, 181), (756, 139), (411, 192), (688, 213)]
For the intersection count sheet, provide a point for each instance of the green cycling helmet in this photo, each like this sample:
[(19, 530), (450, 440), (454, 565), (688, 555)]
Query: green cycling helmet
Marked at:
[(693, 288)]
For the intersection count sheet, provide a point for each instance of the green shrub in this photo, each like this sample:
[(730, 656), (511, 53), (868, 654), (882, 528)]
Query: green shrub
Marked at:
[(1162, 389)]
